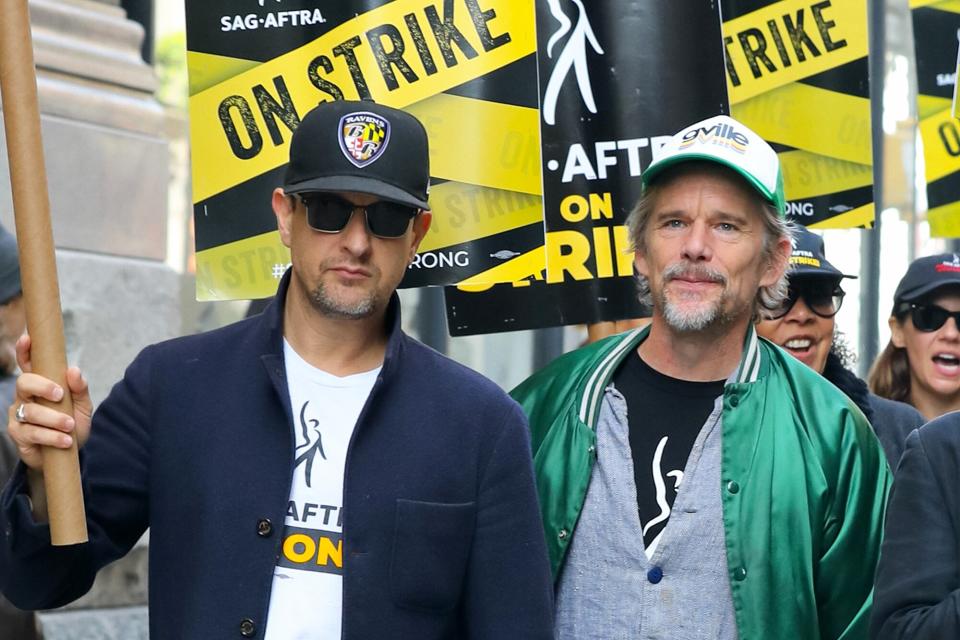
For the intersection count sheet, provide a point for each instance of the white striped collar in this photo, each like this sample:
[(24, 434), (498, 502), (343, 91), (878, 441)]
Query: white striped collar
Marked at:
[(748, 371), (597, 382)]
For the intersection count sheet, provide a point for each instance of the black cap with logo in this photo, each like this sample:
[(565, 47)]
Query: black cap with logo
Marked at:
[(808, 258), (360, 146), (926, 275)]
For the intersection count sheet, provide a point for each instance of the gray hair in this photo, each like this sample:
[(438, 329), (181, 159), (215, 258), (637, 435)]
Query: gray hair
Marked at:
[(769, 298)]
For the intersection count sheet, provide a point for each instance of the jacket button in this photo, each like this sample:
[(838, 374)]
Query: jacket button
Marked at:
[(247, 628), (739, 574), (733, 487), (734, 401), (264, 527), (591, 449), (655, 575), (563, 534)]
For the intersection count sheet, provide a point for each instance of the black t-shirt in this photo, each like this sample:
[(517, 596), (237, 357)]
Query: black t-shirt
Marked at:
[(665, 416)]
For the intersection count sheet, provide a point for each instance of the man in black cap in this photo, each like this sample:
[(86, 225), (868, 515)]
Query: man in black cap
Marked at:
[(805, 326), (310, 472)]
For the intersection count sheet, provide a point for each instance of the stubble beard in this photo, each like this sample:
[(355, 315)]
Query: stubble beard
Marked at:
[(330, 306), (704, 315)]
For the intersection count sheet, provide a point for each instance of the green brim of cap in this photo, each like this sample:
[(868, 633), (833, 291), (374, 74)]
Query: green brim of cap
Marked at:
[(775, 198)]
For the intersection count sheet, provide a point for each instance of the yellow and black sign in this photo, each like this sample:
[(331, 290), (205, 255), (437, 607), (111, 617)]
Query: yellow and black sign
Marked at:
[(603, 113), (798, 75), (935, 28), (466, 68)]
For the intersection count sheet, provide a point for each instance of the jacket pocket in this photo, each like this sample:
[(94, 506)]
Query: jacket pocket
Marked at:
[(431, 546)]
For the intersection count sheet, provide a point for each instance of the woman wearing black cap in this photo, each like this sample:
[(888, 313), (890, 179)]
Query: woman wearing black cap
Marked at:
[(921, 363), (805, 328)]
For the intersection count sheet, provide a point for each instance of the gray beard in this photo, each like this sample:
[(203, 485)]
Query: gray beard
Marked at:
[(330, 307), (698, 319)]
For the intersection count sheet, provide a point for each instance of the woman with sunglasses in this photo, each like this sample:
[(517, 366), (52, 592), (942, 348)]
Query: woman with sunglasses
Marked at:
[(921, 363), (806, 328)]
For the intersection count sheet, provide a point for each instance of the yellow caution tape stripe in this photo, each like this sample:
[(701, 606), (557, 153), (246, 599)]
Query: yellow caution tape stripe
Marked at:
[(249, 268), (859, 217), (458, 207), (400, 53), (941, 144), (931, 105), (808, 175), (790, 40), (206, 70), (832, 124), (945, 221), (528, 265), (952, 6), (482, 142)]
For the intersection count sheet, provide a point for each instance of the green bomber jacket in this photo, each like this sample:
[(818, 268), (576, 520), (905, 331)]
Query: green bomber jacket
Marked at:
[(804, 483)]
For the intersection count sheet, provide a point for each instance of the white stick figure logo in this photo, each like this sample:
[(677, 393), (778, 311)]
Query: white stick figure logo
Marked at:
[(573, 56)]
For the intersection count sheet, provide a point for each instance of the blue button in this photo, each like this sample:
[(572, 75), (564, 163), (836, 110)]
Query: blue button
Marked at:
[(655, 575)]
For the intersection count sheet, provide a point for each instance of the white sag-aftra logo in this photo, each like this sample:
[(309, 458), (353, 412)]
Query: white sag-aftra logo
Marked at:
[(573, 58)]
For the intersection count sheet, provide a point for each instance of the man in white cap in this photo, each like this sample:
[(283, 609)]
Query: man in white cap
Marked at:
[(697, 482)]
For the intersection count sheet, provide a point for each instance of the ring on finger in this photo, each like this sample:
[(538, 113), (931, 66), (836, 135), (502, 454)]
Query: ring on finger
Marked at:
[(20, 415)]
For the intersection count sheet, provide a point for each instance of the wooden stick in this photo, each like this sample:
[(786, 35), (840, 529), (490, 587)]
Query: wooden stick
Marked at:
[(38, 266)]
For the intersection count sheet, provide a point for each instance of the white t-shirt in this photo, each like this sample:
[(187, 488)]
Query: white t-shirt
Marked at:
[(306, 600)]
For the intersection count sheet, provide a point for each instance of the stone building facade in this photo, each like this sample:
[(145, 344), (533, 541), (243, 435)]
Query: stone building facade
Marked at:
[(106, 152)]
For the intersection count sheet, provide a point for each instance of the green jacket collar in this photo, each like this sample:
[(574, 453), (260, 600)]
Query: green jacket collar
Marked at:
[(748, 371)]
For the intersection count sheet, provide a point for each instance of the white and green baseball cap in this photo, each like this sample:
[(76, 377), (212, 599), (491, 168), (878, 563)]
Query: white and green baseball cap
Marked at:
[(723, 140)]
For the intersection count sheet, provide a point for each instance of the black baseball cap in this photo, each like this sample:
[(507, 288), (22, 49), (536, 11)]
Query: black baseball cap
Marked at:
[(808, 258), (361, 146), (926, 275)]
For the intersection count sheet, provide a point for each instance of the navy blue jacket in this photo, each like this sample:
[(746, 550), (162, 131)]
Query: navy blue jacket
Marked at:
[(442, 532), (917, 594)]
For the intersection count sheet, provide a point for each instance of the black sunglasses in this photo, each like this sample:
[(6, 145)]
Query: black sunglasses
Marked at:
[(329, 213), (930, 317), (823, 301)]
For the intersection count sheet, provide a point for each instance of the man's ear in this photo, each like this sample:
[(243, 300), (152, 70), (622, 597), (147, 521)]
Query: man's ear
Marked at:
[(640, 264), (421, 224), (896, 333), (779, 261), (283, 207)]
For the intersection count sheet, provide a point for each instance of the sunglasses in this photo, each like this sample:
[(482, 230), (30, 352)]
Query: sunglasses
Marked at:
[(823, 301), (930, 317), (329, 213)]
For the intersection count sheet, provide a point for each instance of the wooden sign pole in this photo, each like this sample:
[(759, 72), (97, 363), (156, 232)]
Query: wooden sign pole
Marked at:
[(38, 267)]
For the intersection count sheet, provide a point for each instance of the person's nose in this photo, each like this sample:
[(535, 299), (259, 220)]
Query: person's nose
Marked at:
[(799, 313), (950, 331), (696, 245), (355, 236)]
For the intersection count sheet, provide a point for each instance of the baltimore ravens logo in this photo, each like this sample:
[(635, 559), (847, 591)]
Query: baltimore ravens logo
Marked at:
[(363, 137)]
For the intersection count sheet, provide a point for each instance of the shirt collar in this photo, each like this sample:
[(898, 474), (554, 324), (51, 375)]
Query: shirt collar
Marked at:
[(748, 371)]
